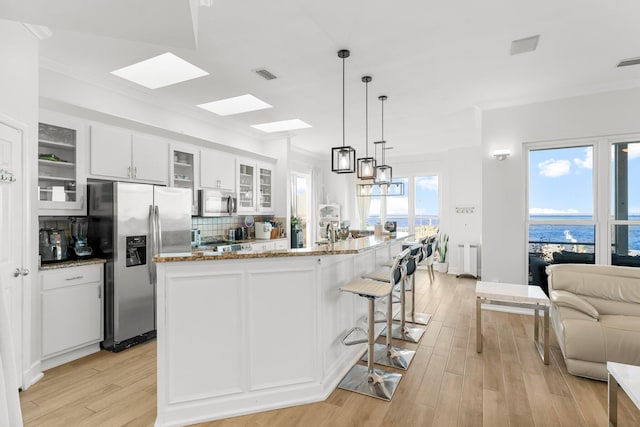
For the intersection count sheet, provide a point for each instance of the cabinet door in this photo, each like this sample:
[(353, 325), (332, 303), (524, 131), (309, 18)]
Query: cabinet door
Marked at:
[(246, 186), (217, 170), (150, 159), (61, 180), (110, 152), (265, 188), (183, 171), (71, 317)]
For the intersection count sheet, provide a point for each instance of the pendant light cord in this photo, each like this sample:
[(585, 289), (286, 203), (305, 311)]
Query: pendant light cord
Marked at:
[(366, 120), (383, 141), (343, 133)]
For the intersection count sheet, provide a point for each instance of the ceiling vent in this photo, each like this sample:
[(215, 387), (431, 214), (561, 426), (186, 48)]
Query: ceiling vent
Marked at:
[(265, 74), (630, 61), (528, 44)]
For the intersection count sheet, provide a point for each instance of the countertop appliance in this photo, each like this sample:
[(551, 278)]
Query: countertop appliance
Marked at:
[(80, 248), (391, 226), (196, 237), (214, 203), (53, 245), (225, 246), (128, 224), (263, 230)]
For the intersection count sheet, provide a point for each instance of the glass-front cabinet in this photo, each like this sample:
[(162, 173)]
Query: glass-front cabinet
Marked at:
[(265, 194), (183, 172), (61, 185), (246, 186)]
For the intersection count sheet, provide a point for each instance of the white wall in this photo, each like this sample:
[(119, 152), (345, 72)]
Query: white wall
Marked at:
[(19, 101), (503, 183)]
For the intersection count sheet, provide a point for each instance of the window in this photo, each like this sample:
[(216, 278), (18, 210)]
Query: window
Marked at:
[(561, 222), (398, 206), (625, 204), (426, 218)]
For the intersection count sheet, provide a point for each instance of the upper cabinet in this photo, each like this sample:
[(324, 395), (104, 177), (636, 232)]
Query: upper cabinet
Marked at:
[(61, 185), (122, 155), (255, 185), (246, 186), (183, 171), (217, 170), (265, 187)]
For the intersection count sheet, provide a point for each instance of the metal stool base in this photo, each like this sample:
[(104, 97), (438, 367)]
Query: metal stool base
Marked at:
[(380, 384), (418, 318), (408, 334), (399, 358)]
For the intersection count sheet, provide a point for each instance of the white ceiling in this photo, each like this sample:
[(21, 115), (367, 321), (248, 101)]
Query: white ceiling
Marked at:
[(439, 63)]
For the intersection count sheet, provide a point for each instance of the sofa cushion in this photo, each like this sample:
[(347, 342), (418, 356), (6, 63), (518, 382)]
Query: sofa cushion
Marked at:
[(622, 338), (567, 257), (568, 299)]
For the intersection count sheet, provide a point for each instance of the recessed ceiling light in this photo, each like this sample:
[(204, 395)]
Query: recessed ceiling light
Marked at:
[(528, 44), (282, 125), (235, 105), (160, 71)]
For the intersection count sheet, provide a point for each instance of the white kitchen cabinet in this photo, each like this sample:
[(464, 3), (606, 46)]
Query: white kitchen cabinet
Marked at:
[(217, 170), (61, 182), (246, 170), (255, 186), (72, 310), (119, 154), (265, 201), (183, 171)]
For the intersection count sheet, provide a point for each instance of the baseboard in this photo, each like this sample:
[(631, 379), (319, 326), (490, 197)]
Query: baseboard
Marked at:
[(32, 375), (63, 358)]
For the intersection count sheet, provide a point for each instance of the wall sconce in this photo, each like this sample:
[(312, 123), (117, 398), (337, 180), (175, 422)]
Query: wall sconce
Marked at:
[(501, 154)]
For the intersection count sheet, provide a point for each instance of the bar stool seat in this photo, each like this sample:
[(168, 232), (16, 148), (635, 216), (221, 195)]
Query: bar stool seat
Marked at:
[(367, 380)]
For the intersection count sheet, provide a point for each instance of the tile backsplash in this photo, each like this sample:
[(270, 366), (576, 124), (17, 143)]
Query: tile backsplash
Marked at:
[(217, 227)]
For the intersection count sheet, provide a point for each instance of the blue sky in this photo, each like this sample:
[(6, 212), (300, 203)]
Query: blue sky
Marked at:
[(561, 181)]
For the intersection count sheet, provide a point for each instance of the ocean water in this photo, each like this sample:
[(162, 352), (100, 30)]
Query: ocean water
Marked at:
[(583, 235)]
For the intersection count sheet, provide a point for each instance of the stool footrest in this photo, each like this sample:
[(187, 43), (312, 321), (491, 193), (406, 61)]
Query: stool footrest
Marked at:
[(380, 317), (355, 341)]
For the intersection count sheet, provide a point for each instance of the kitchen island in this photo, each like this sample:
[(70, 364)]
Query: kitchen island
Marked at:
[(248, 332)]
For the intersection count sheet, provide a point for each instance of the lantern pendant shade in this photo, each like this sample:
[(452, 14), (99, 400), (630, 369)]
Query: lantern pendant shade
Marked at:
[(383, 174), (343, 159), (366, 168)]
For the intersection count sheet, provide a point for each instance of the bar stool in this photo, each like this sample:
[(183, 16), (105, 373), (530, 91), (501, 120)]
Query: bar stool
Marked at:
[(386, 354), (417, 253), (428, 246), (402, 331), (367, 380)]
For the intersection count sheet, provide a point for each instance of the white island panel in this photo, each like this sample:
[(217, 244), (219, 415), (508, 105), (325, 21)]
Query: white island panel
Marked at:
[(283, 321), (204, 316)]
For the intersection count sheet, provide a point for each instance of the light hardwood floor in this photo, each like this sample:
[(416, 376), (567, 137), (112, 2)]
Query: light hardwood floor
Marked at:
[(448, 383)]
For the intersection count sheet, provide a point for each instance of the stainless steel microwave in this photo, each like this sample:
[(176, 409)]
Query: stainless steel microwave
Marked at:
[(217, 203)]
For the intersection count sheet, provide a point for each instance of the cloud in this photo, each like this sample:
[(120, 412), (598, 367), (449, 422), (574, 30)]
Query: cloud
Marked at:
[(587, 162), (550, 211), (429, 183), (634, 150), (553, 168)]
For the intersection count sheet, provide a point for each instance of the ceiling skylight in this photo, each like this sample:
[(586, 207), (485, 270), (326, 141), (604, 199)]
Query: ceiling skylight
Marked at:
[(160, 71), (235, 105), (282, 125)]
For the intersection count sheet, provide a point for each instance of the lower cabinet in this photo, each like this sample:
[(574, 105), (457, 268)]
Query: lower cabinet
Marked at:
[(71, 313)]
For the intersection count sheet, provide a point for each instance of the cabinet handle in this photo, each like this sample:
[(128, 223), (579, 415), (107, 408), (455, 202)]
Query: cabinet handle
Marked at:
[(20, 272), (129, 171), (99, 292), (74, 278), (135, 172)]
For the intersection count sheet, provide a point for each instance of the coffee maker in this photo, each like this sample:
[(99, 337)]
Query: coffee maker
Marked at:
[(53, 244), (79, 248)]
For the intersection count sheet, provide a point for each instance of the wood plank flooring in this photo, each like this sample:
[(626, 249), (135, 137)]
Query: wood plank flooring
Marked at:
[(448, 383)]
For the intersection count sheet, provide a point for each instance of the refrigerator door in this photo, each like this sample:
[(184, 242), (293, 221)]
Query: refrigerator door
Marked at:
[(134, 293), (174, 219)]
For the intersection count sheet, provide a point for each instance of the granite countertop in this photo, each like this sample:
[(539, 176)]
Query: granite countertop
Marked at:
[(341, 247), (71, 263)]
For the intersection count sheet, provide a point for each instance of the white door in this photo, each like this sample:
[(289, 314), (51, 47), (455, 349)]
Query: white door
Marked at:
[(11, 267)]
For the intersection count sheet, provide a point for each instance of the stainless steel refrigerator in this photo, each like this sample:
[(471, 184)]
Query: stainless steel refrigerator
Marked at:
[(128, 224)]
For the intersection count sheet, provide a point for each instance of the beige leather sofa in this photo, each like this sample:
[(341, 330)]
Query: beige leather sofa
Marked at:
[(595, 313)]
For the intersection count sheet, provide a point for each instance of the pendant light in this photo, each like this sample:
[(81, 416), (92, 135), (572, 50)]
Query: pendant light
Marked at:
[(366, 164), (343, 159), (384, 171)]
